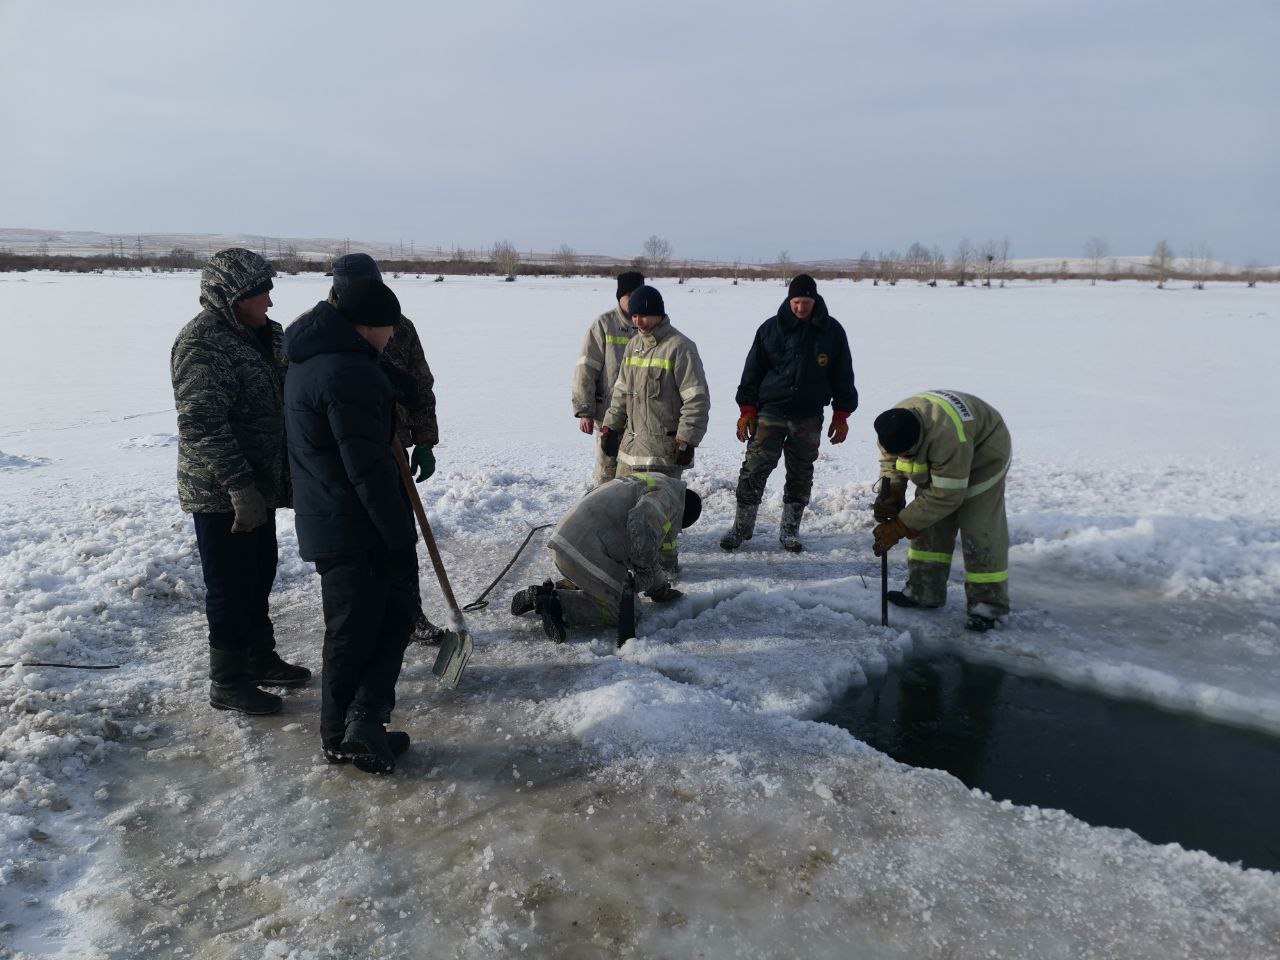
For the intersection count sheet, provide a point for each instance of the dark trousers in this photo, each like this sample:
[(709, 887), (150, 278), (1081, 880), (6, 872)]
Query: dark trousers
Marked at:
[(369, 604), (775, 437), (239, 571)]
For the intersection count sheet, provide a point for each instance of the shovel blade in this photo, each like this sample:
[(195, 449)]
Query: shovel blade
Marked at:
[(455, 651)]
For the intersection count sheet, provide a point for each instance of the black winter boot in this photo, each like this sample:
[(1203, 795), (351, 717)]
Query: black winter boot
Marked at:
[(397, 740), (526, 600), (978, 623), (424, 631), (552, 613), (366, 744), (267, 670), (232, 688)]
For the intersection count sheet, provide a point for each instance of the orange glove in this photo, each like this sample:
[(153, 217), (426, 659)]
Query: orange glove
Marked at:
[(747, 424), (839, 428), (889, 533)]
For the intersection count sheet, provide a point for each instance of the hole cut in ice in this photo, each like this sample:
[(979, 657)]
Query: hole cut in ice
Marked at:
[(1168, 777)]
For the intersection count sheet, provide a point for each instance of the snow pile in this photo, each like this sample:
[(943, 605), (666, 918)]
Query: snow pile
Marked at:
[(150, 441), (12, 461)]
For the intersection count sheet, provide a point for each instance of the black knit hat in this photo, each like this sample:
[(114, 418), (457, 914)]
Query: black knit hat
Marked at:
[(351, 267), (369, 302), (646, 302), (898, 430), (802, 285), (629, 281), (692, 509)]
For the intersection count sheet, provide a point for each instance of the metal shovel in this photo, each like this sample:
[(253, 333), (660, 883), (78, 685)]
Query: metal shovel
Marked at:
[(455, 645)]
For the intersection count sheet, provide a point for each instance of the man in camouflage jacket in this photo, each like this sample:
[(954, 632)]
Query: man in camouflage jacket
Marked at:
[(597, 369), (405, 365), (228, 376)]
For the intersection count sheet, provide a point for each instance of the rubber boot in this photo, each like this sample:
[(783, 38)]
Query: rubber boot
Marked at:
[(744, 524), (789, 530), (525, 601), (424, 631), (549, 608), (232, 688)]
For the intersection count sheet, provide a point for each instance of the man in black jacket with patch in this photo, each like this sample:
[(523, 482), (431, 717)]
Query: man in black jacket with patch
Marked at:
[(352, 517), (798, 363)]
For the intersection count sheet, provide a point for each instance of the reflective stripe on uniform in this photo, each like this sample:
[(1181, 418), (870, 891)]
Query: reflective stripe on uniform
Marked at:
[(647, 479), (643, 462), (572, 551), (614, 338), (650, 362), (949, 483), (588, 362), (690, 392), (1000, 576), (926, 556), (987, 484), (948, 409), (909, 467)]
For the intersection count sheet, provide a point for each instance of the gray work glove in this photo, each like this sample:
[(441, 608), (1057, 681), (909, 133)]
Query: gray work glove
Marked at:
[(251, 510)]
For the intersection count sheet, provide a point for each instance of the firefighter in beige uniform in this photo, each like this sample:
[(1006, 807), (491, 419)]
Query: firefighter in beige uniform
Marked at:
[(661, 402), (956, 449), (597, 369)]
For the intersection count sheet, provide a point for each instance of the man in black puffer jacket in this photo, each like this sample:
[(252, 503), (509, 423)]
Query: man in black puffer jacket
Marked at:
[(798, 363), (352, 517)]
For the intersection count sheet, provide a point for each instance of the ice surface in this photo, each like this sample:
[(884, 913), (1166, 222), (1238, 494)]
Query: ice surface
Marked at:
[(672, 798)]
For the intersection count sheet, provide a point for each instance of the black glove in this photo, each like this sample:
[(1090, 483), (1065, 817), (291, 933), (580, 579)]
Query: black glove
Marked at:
[(664, 593), (610, 441), (683, 454)]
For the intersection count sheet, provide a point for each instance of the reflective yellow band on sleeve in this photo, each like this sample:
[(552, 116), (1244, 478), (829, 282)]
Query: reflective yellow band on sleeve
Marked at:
[(588, 362), (999, 576), (615, 339), (690, 392), (949, 483), (650, 362), (924, 556), (910, 468), (948, 409), (669, 545), (647, 479), (666, 528)]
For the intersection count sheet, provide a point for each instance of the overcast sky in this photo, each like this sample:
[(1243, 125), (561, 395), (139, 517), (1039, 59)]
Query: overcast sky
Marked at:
[(734, 130)]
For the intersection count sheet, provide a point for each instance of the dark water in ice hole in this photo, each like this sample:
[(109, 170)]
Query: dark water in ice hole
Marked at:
[(1169, 778)]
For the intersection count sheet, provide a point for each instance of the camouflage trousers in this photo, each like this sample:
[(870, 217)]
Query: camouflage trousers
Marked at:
[(984, 541), (776, 437)]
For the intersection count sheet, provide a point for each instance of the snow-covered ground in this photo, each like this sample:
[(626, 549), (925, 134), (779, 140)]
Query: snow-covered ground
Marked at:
[(673, 799)]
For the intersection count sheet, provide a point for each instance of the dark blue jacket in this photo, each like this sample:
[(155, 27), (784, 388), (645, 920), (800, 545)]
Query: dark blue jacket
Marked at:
[(338, 411), (796, 367)]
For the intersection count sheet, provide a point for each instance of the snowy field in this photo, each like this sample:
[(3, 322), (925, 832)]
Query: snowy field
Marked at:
[(673, 799)]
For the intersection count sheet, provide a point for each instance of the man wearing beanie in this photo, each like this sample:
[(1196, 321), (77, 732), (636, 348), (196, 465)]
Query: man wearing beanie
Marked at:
[(798, 363), (661, 401), (352, 515), (956, 449), (597, 369), (405, 365), (228, 373)]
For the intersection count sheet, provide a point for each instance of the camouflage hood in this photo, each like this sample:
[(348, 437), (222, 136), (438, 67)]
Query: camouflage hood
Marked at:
[(228, 275)]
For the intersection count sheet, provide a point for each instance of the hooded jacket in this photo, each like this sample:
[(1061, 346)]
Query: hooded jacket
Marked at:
[(796, 367), (661, 395), (340, 409), (227, 385)]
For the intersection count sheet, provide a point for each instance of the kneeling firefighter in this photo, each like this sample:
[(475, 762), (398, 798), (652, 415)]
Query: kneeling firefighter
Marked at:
[(956, 449), (616, 529)]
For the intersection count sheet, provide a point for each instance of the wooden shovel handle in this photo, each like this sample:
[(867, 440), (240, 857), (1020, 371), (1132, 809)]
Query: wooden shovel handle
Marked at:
[(416, 502)]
